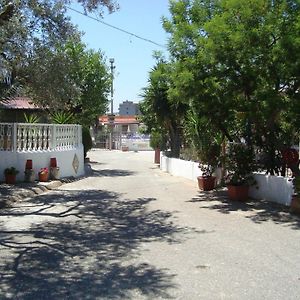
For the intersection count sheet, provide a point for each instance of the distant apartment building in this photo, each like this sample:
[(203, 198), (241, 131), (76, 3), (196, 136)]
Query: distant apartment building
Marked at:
[(129, 108)]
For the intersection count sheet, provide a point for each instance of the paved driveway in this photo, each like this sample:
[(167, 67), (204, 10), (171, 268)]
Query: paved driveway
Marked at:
[(130, 231)]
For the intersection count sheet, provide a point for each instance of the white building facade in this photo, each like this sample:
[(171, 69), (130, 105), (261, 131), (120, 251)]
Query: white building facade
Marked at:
[(129, 108)]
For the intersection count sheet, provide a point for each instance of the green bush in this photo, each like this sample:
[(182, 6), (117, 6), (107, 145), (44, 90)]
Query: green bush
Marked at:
[(86, 140), (156, 140), (62, 117), (11, 171)]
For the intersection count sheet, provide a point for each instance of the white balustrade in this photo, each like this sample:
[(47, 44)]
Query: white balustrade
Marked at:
[(6, 136), (39, 137)]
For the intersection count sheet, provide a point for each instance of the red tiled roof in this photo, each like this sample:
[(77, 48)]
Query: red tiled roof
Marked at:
[(19, 103), (119, 120)]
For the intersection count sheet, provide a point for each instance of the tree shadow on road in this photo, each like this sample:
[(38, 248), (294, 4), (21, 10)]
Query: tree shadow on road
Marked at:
[(111, 173), (256, 210), (84, 248)]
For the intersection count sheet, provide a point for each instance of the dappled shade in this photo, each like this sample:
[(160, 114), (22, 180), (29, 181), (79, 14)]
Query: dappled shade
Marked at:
[(83, 249)]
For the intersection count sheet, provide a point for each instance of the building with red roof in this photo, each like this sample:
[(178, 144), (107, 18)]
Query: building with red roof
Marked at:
[(122, 124), (13, 109)]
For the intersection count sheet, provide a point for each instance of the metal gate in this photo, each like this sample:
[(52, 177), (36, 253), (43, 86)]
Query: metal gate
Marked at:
[(104, 140)]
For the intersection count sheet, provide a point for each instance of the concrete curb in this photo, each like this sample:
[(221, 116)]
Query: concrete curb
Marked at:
[(21, 191)]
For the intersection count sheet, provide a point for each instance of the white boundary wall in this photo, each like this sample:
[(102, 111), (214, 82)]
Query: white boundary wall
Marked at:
[(136, 143), (40, 142), (41, 159), (179, 167), (272, 188)]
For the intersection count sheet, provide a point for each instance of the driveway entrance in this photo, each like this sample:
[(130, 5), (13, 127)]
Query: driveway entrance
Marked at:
[(130, 231)]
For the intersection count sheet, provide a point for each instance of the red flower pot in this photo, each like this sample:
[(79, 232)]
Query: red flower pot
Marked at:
[(28, 165), (206, 183), (53, 162), (43, 177), (10, 179), (157, 156), (238, 192), (295, 204)]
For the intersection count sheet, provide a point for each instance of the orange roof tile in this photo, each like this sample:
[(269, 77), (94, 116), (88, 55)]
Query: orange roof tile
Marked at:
[(19, 103), (120, 120)]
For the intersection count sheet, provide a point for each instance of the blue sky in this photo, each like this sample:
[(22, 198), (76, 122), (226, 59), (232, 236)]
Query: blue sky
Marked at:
[(133, 57)]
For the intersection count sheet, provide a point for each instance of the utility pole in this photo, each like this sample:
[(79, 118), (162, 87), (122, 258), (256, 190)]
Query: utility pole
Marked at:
[(111, 117), (112, 67)]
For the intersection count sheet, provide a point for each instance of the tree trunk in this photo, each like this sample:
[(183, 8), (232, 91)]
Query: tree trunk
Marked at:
[(175, 141)]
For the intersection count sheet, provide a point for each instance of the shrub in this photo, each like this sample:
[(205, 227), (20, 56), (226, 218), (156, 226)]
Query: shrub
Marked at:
[(157, 140), (86, 140), (11, 171)]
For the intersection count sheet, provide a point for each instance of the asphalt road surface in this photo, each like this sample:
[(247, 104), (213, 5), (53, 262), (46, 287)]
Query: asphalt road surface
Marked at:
[(130, 231)]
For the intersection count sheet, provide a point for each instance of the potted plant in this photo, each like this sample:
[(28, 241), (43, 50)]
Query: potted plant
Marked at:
[(43, 174), (240, 165), (54, 169), (209, 155), (10, 175), (156, 142), (29, 174), (295, 201)]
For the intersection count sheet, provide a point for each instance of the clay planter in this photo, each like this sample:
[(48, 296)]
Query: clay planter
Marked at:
[(53, 162), (295, 204), (206, 183), (157, 156), (28, 165), (43, 177), (54, 173), (29, 175), (10, 178), (238, 192)]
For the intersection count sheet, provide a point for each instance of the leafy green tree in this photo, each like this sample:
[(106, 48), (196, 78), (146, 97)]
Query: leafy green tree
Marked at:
[(160, 112), (30, 33), (237, 64), (92, 77), (85, 72)]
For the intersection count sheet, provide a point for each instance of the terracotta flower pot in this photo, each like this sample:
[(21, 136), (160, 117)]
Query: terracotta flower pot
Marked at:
[(206, 183), (43, 177), (157, 156), (53, 162), (295, 204), (28, 165), (29, 175), (54, 173), (238, 192), (10, 178)]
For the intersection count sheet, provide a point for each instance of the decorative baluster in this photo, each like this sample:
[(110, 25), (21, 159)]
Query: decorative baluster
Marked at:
[(43, 146), (61, 137), (64, 137), (23, 138), (19, 138), (66, 133), (60, 140), (71, 137), (34, 137), (9, 138), (44, 137), (57, 137), (68, 137), (2, 137), (28, 138), (48, 135), (39, 137)]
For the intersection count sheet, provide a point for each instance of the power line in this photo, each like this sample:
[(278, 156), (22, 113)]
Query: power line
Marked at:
[(117, 28)]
